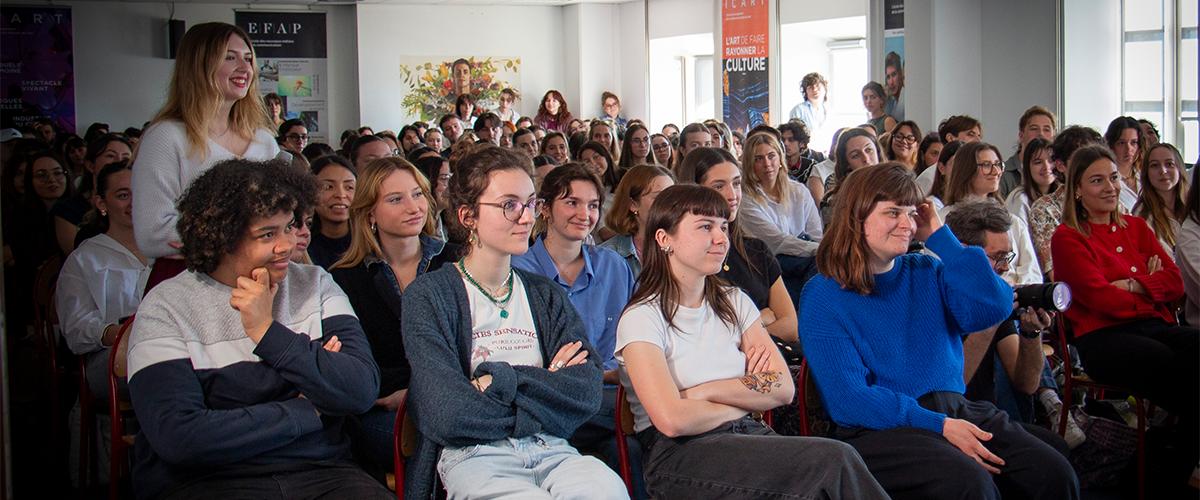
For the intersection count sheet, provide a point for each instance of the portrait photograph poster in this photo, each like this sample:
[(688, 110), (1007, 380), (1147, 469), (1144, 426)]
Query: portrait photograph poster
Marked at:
[(430, 88)]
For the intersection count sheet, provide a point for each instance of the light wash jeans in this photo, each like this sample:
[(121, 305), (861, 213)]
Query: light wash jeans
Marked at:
[(537, 466)]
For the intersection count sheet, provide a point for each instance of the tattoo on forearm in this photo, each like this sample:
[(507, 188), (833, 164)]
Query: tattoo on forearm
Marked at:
[(762, 383)]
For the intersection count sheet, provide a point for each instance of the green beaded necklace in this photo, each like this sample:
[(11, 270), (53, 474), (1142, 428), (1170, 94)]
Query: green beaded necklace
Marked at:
[(501, 303)]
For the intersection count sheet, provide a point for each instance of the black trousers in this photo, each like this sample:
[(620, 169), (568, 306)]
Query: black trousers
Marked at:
[(911, 462), (1159, 362), (292, 481)]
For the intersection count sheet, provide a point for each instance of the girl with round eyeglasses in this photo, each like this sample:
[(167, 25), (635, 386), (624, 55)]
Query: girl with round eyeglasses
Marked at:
[(502, 369)]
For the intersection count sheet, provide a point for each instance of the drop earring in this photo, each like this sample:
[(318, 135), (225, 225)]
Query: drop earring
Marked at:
[(103, 213)]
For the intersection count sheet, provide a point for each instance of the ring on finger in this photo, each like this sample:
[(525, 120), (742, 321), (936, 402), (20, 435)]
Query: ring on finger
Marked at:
[(559, 364)]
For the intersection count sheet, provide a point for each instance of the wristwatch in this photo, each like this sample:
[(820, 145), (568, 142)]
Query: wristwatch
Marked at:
[(1031, 335)]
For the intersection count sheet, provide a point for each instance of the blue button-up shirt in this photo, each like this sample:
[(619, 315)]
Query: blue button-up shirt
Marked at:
[(430, 248), (599, 293)]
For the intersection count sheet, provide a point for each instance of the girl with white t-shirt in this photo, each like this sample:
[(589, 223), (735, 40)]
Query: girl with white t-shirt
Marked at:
[(502, 370), (696, 362)]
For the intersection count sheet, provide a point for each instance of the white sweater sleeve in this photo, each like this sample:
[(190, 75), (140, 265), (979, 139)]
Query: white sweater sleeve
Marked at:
[(758, 224), (157, 182)]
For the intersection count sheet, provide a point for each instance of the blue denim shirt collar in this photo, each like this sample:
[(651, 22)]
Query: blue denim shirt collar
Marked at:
[(430, 248)]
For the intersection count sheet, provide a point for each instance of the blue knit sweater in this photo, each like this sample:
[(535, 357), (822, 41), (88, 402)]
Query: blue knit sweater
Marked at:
[(874, 355)]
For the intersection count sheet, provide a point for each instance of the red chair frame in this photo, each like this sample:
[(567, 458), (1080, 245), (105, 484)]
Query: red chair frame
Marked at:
[(1071, 382), (118, 446)]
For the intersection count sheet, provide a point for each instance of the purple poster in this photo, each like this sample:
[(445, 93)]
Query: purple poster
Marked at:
[(37, 74)]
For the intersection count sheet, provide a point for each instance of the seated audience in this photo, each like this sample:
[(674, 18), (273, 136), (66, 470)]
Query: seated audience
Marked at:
[(960, 128), (605, 133), (822, 171), (974, 175), (434, 139), (800, 159), (696, 362), (303, 238), (875, 99), (635, 149), (1124, 138), (902, 145), (293, 136), (1024, 370), (663, 151), (1187, 255), (1123, 318), (749, 265), (779, 211), (368, 148), (464, 109), (632, 199), (392, 243), (331, 237), (502, 370), (882, 335), (856, 148), (1040, 180), (1045, 213), (504, 105), (595, 156), (598, 283), (927, 156), (694, 135), (1036, 123), (315, 150), (69, 212), (525, 142), (249, 398), (1161, 203), (437, 171), (489, 128), (552, 113), (103, 280), (555, 146)]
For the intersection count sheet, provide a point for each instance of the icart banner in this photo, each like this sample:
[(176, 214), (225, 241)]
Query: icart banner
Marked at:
[(37, 67), (744, 47), (291, 52), (893, 62)]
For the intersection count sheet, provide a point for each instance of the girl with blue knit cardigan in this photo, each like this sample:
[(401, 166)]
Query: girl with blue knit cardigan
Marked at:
[(882, 332), (502, 370)]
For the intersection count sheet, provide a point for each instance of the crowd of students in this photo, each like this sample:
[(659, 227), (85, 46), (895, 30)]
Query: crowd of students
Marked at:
[(501, 275)]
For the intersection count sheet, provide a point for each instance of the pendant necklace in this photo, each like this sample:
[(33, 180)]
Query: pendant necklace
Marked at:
[(502, 303)]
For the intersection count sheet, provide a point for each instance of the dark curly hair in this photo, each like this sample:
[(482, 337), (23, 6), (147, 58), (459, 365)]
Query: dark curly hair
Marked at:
[(216, 212)]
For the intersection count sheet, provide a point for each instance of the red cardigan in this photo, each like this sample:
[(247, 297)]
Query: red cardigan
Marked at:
[(1088, 264)]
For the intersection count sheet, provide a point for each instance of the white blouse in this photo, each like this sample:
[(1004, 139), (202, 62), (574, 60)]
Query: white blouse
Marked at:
[(781, 227), (100, 283)]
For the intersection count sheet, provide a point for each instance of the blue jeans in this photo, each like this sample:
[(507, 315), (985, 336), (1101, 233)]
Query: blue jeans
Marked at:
[(599, 435), (743, 459), (537, 466)]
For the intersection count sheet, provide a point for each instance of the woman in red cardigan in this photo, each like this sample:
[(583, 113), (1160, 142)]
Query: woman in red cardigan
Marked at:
[(1124, 286)]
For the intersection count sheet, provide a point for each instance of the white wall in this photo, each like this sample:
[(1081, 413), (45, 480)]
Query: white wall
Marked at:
[(991, 59), (592, 38), (385, 32), (796, 12), (1018, 71), (122, 70), (632, 53), (670, 18), (1091, 62)]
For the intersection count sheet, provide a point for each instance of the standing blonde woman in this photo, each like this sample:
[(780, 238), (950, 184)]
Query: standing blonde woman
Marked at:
[(213, 113)]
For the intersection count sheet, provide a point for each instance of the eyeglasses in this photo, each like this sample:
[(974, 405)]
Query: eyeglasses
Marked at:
[(296, 137), (42, 175), (640, 141), (444, 178), (513, 209), (990, 167), (906, 139), (661, 146), (1006, 258)]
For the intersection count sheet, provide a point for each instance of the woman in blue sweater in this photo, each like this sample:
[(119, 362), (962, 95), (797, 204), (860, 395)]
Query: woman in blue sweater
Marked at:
[(502, 370), (883, 335)]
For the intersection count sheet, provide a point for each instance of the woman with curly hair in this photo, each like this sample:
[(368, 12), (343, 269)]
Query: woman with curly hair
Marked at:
[(213, 113), (552, 113), (251, 396)]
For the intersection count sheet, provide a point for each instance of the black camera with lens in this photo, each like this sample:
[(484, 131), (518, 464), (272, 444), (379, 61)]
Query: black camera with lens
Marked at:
[(1053, 297)]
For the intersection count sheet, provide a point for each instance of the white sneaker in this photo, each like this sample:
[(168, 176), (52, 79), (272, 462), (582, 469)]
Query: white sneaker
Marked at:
[(1074, 435)]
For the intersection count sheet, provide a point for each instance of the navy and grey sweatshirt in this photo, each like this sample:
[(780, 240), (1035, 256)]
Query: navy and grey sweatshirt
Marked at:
[(209, 399)]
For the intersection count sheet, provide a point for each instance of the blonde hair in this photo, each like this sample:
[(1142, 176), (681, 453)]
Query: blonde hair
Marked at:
[(363, 240), (751, 184), (194, 97)]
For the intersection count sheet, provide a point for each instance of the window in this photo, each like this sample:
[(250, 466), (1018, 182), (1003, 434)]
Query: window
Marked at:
[(1159, 71)]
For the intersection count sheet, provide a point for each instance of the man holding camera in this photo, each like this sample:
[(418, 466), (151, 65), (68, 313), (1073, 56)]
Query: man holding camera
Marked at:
[(1017, 344)]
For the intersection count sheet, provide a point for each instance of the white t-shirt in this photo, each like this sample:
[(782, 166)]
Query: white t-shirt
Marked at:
[(699, 348), (511, 339)]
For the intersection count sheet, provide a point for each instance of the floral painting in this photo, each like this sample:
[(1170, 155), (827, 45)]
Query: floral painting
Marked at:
[(435, 82)]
